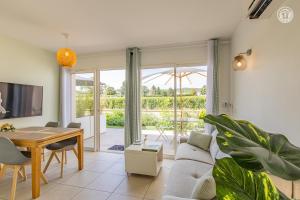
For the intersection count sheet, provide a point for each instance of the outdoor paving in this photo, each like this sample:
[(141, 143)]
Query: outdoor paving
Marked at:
[(115, 136)]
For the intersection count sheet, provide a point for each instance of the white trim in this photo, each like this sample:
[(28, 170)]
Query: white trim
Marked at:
[(121, 52), (73, 107)]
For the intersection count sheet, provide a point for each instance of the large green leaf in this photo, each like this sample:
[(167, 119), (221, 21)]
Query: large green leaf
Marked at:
[(236, 183), (255, 149)]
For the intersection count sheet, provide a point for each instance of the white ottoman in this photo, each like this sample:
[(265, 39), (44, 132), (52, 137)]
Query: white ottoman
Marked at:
[(144, 162)]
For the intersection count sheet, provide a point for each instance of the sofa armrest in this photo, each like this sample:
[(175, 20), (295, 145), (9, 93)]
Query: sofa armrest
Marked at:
[(183, 139), (168, 197)]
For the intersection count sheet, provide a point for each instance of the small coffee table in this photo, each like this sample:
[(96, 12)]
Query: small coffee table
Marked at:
[(139, 161)]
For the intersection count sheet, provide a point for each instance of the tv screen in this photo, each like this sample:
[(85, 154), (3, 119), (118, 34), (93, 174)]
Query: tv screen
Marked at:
[(17, 100)]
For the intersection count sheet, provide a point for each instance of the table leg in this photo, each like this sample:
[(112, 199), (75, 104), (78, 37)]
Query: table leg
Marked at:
[(36, 171), (80, 151)]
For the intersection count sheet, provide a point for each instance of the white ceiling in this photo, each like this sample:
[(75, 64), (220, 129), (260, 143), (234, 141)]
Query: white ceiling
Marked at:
[(104, 25)]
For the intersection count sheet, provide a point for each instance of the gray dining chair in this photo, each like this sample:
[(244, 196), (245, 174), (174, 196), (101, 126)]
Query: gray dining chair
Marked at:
[(12, 157), (62, 147), (52, 124)]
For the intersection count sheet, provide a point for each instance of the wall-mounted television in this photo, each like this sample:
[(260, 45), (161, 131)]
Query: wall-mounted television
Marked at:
[(18, 100)]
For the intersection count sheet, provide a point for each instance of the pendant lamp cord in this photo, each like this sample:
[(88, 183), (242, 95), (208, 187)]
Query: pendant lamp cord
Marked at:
[(66, 35)]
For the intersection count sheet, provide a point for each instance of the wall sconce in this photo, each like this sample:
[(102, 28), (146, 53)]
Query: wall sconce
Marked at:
[(239, 62)]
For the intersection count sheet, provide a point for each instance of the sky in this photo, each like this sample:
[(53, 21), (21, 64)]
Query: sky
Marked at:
[(115, 78)]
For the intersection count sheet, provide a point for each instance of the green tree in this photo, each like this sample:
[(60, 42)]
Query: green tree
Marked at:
[(193, 92), (158, 91), (203, 90), (110, 91), (145, 91), (170, 92), (164, 93), (102, 88), (153, 90), (123, 88)]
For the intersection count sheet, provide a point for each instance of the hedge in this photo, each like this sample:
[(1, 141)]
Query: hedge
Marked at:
[(116, 118), (84, 103), (162, 103)]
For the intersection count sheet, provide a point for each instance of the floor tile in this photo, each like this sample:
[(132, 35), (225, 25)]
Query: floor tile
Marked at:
[(106, 182), (123, 197), (134, 185), (158, 185), (118, 169), (60, 192), (23, 189), (99, 166), (86, 194), (103, 156), (103, 177), (80, 179)]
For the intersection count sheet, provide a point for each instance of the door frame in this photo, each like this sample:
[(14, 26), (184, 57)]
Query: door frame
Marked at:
[(96, 108)]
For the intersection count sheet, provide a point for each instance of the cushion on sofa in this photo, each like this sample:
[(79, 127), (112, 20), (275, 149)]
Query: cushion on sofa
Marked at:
[(200, 140), (221, 155), (189, 152), (214, 148), (205, 188), (184, 176)]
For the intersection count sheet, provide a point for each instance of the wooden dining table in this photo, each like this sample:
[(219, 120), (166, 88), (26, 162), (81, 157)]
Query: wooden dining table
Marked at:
[(36, 138)]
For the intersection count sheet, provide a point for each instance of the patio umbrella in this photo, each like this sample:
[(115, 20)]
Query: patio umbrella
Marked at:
[(181, 73)]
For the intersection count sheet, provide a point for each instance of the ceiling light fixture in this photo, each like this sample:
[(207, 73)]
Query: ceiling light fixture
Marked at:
[(239, 62), (66, 57)]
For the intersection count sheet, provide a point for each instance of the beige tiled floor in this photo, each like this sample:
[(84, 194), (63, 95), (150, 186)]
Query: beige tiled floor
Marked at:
[(103, 178)]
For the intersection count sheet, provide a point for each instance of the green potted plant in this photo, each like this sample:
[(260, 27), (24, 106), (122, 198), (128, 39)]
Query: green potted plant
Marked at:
[(254, 154)]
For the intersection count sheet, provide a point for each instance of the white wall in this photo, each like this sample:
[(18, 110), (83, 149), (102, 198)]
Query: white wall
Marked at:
[(162, 56), (186, 54), (267, 93), (25, 64)]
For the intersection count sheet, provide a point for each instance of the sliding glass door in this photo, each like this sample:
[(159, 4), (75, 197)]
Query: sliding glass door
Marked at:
[(158, 107), (173, 102)]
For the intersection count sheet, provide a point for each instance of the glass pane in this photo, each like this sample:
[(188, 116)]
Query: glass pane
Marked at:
[(191, 98), (158, 107), (112, 110), (83, 102)]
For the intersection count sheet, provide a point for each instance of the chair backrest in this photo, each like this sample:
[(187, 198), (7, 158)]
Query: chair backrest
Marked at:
[(74, 125), (52, 124), (10, 154)]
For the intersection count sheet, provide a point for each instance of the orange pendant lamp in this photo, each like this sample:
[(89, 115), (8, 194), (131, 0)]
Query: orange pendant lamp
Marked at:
[(66, 57)]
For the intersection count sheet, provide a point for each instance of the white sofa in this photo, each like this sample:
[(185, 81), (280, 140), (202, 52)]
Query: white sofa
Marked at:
[(192, 162)]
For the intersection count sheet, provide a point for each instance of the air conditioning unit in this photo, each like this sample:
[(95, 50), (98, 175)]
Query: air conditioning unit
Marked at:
[(263, 8)]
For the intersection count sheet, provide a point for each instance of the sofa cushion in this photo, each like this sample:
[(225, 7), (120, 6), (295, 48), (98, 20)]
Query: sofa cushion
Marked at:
[(184, 176), (200, 140), (189, 152), (214, 148), (221, 155), (205, 188)]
